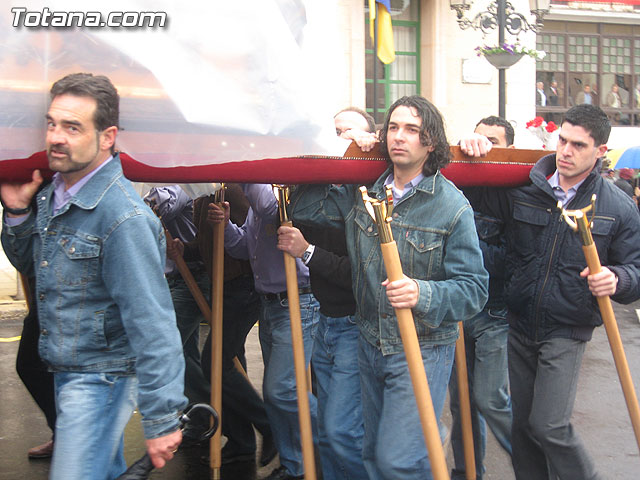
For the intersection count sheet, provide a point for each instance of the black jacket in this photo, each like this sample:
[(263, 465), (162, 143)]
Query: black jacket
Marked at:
[(330, 271), (545, 294)]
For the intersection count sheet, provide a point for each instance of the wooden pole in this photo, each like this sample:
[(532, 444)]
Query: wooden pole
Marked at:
[(240, 368), (381, 214), (297, 340), (582, 225), (465, 406), (304, 412), (416, 369), (199, 297), (615, 342), (191, 283), (217, 286)]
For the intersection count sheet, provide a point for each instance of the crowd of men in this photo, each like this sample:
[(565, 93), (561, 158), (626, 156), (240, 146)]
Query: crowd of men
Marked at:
[(117, 329)]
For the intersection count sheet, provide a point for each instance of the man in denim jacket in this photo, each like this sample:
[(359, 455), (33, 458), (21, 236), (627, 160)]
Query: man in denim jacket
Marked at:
[(444, 282), (108, 329)]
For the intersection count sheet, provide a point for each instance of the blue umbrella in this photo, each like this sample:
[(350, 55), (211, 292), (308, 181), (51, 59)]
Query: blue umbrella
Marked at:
[(624, 157)]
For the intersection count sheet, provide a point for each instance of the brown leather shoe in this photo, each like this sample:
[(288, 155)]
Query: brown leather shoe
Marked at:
[(41, 451)]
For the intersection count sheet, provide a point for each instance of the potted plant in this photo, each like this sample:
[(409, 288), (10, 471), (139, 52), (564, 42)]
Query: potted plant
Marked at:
[(507, 54)]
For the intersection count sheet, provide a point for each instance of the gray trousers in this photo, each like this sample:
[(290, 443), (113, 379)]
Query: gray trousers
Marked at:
[(544, 379)]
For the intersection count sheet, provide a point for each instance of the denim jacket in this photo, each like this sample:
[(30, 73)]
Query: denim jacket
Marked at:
[(434, 230), (103, 302)]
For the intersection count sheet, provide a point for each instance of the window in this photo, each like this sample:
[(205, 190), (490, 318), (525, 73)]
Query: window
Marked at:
[(402, 76), (601, 67)]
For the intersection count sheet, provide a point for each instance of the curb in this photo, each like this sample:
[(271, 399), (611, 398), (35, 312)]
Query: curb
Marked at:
[(10, 305)]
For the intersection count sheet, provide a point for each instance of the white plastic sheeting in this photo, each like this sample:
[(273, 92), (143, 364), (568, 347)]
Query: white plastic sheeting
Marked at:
[(221, 81)]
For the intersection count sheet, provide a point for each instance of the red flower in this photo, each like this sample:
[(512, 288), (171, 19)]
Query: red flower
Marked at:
[(551, 127), (536, 122)]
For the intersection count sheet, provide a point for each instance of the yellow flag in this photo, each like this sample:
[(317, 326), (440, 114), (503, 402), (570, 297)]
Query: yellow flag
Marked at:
[(386, 51)]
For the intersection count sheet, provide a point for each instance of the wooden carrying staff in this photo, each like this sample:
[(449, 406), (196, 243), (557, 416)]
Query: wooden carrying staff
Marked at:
[(304, 413), (191, 283), (216, 344), (465, 406), (382, 217), (217, 286), (577, 220), (195, 291), (216, 350)]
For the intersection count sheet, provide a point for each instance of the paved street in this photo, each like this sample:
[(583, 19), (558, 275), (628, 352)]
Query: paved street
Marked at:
[(600, 414)]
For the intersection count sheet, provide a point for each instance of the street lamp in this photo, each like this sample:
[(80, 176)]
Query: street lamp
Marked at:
[(500, 14)]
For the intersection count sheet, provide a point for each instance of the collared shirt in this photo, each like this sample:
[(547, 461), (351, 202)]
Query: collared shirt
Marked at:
[(104, 304), (61, 196), (397, 193), (175, 209), (257, 241), (561, 195)]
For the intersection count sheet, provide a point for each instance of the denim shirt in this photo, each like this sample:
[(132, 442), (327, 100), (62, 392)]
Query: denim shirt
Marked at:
[(434, 230), (103, 302)]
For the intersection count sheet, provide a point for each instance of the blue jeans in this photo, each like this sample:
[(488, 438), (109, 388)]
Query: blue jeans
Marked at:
[(279, 383), (188, 318), (340, 424), (394, 446), (92, 412), (485, 339), (544, 381)]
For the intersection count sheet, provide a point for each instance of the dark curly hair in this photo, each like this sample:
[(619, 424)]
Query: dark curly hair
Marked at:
[(431, 132)]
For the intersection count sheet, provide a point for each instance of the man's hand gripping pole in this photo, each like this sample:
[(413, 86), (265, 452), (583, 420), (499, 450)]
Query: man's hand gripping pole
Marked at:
[(304, 413), (577, 221)]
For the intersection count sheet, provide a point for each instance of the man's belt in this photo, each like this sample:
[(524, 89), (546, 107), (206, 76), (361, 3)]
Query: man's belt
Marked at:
[(283, 295)]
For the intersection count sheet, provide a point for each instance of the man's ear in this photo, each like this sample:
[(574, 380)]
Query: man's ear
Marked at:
[(108, 138), (602, 150)]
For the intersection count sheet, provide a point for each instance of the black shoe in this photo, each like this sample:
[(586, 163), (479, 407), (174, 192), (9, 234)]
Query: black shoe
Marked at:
[(281, 473), (269, 450)]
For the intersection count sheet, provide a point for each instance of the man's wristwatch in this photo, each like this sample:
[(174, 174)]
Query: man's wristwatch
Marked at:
[(306, 256)]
